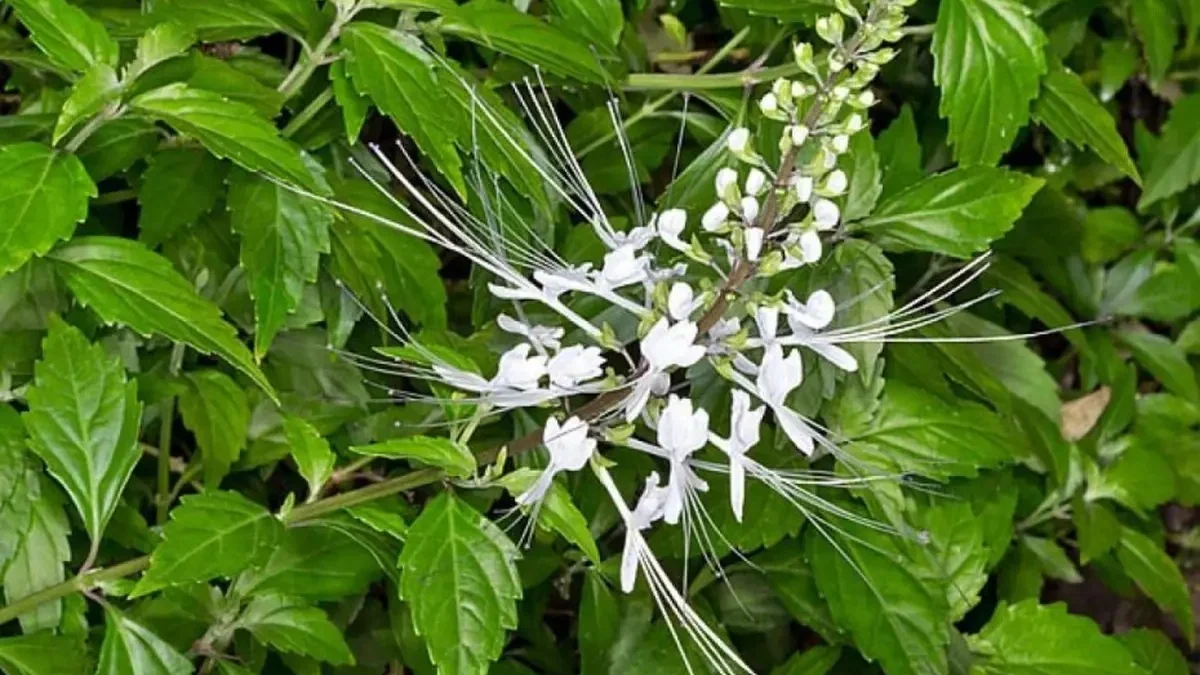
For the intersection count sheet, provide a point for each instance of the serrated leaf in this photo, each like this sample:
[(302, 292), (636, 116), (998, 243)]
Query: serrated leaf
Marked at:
[(453, 458), (1175, 164), (71, 38), (116, 145), (956, 554), (214, 408), (132, 649), (1145, 561), (311, 453), (83, 422), (816, 660), (600, 21), (43, 194), (1154, 651), (865, 178), (283, 235), (38, 563), (1031, 639), (957, 213), (789, 574), (556, 512), (1165, 360), (316, 562), (1158, 30), (179, 186), (900, 153), (89, 95), (291, 625), (354, 106), (220, 20), (598, 624), (805, 11), (43, 654), (228, 129), (459, 578), (1052, 558), (18, 484), (161, 43), (211, 535), (124, 282), (989, 61), (1069, 109), (247, 86)]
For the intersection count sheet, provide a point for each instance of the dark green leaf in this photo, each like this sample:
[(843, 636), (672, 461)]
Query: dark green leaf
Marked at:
[(132, 649), (598, 624), (38, 563), (180, 185), (1145, 561), (1053, 559), (354, 106), (217, 20), (1109, 232), (1176, 163), (315, 562), (43, 654), (1153, 651), (900, 153), (18, 484), (216, 411), (600, 21), (116, 145), (556, 512), (221, 77), (43, 194), (293, 626), (311, 453), (454, 458), (817, 660), (1032, 639), (1158, 30), (1069, 110), (865, 178), (1165, 361), (1097, 527), (805, 11), (71, 38), (789, 574)]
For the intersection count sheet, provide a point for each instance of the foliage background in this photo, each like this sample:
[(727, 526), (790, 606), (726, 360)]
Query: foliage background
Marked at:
[(165, 308)]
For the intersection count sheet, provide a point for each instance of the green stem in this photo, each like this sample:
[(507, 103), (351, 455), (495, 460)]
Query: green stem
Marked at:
[(82, 582), (311, 60), (166, 423), (91, 127), (310, 111), (408, 481), (642, 81), (115, 197)]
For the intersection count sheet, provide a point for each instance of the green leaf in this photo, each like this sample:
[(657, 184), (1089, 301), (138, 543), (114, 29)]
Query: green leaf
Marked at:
[(95, 90), (283, 236), (1163, 359), (1118, 62), (221, 77), (900, 153), (116, 145), (1097, 527), (1141, 478), (43, 194), (354, 106), (956, 213), (601, 21), (1145, 561), (805, 11), (1176, 162), (316, 562), (1158, 29), (132, 649), (557, 511), (918, 432), (790, 575), (956, 554), (18, 484), (1069, 109), (291, 625), (859, 269), (865, 178), (989, 61), (72, 39), (1032, 639), (459, 578), (125, 282), (395, 71), (1154, 651), (210, 535), (501, 27), (817, 660), (180, 185), (453, 458), (1108, 232), (83, 422), (38, 563), (311, 453), (161, 43), (43, 654), (215, 410), (875, 592), (222, 20), (228, 129), (1052, 558), (599, 619)]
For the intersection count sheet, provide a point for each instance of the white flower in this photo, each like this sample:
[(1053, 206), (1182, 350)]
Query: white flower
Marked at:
[(841, 143), (623, 267), (744, 428), (799, 91), (777, 378), (738, 140), (855, 123), (670, 224), (815, 313), (726, 183), (681, 301), (798, 134), (754, 242), (547, 337), (825, 214), (867, 98), (714, 217), (575, 364), (840, 92), (636, 239), (810, 246), (836, 182), (570, 449), (681, 432), (749, 209), (668, 345), (767, 321), (755, 182), (519, 370), (804, 188), (648, 510), (769, 104)]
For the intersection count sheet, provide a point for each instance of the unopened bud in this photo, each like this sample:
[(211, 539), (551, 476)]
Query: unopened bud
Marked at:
[(726, 184), (799, 134), (803, 186), (755, 182), (836, 183), (714, 217), (754, 242), (749, 209), (840, 144), (855, 123), (738, 140), (803, 52), (825, 214)]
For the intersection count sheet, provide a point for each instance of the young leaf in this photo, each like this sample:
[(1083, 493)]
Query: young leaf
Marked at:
[(458, 576), (1174, 166), (310, 452), (1032, 639), (989, 60), (210, 535), (1158, 29), (557, 512), (179, 186), (1145, 561), (83, 422), (43, 194), (95, 90), (453, 458), (1069, 110), (900, 153), (43, 654), (125, 282), (215, 410), (38, 563), (291, 625), (72, 39), (228, 129), (132, 649), (1163, 359), (161, 43), (1154, 651), (956, 213)]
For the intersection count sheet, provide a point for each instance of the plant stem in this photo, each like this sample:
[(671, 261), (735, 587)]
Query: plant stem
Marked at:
[(696, 82), (311, 60), (310, 111), (115, 197), (81, 582), (166, 423)]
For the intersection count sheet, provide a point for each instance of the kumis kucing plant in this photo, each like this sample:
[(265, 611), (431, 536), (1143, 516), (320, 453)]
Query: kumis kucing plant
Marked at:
[(550, 374)]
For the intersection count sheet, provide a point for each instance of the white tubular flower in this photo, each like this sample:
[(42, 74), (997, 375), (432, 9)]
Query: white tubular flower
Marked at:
[(570, 449), (816, 312), (826, 214), (836, 183), (681, 432), (777, 378), (750, 209), (670, 224), (755, 182), (519, 370), (648, 510), (623, 267), (739, 140), (681, 301), (635, 239), (744, 428), (803, 185), (766, 319), (726, 184), (546, 337), (665, 346), (575, 364), (754, 242), (714, 217)]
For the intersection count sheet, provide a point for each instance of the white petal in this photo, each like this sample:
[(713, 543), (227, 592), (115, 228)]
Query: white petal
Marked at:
[(825, 214), (738, 139), (754, 242), (714, 217), (679, 301), (755, 182), (749, 209), (726, 182), (810, 246)]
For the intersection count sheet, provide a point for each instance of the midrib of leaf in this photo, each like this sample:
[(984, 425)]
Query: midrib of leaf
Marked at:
[(220, 537), (12, 231), (92, 487)]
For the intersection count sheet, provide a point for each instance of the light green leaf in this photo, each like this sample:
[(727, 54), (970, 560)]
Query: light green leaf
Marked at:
[(1154, 651), (210, 535), (72, 39), (1032, 639), (132, 649), (43, 654), (501, 27), (18, 484), (805, 11), (125, 282), (311, 453), (557, 511), (394, 70), (90, 94), (215, 410), (453, 458), (1053, 559), (221, 20), (43, 194), (117, 144), (1176, 162), (865, 178), (291, 625), (900, 153), (38, 563), (243, 86), (1069, 109), (316, 562), (989, 61), (816, 660), (83, 422), (228, 129), (956, 556), (600, 21), (1141, 478), (180, 185), (283, 235), (1145, 561), (957, 213), (459, 578), (1157, 28), (354, 106), (161, 43), (1163, 359)]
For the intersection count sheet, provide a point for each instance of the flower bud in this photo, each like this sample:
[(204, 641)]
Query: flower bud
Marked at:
[(882, 57), (769, 104), (803, 52), (803, 185), (840, 144), (866, 99), (755, 182), (855, 123), (783, 91), (825, 214), (749, 209), (840, 93), (836, 63), (739, 140), (714, 217), (799, 134), (836, 183), (799, 91), (810, 247), (754, 242), (726, 184), (831, 28)]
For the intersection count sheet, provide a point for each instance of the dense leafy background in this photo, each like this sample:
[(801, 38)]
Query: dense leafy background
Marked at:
[(177, 440)]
